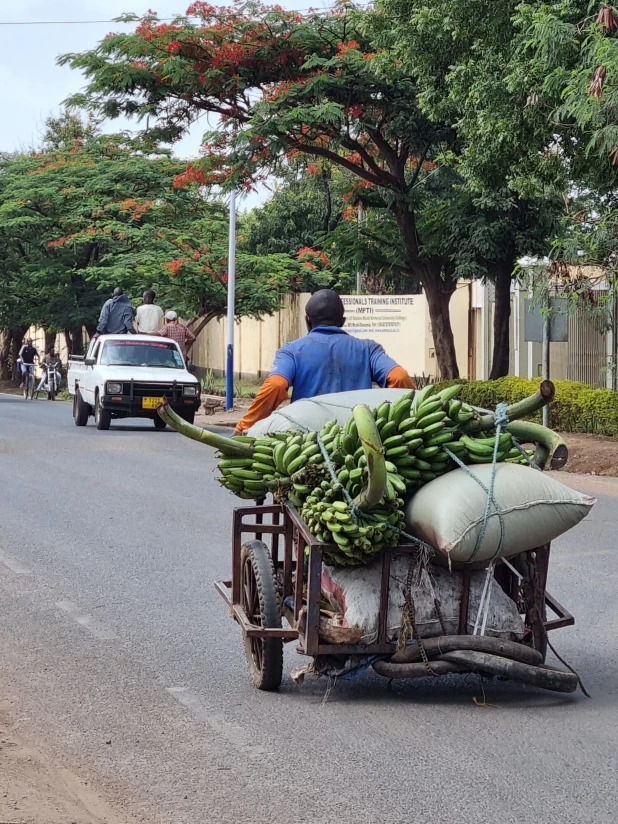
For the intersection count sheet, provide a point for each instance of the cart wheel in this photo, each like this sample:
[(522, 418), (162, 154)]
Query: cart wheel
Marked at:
[(260, 601)]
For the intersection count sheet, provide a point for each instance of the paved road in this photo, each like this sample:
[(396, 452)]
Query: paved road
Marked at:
[(118, 652)]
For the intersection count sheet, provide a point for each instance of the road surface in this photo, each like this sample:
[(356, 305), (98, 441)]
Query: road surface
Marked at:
[(116, 651)]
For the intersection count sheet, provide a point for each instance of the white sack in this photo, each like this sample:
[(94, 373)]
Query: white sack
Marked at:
[(448, 512), (355, 592), (313, 413)]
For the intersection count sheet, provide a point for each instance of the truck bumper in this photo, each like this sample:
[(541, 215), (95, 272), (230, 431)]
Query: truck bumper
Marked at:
[(123, 407)]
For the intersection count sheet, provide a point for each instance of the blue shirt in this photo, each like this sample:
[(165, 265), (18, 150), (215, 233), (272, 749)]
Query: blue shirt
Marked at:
[(329, 360)]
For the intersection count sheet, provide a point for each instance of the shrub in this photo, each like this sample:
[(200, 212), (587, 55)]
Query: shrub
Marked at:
[(576, 408)]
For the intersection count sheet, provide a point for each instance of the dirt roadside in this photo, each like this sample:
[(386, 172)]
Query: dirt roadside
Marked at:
[(36, 789)]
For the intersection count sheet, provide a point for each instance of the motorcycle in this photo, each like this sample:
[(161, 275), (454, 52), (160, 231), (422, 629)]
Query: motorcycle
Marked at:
[(50, 382)]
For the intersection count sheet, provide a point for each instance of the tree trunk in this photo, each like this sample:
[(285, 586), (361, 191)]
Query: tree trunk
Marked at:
[(17, 339), (5, 351), (75, 340), (50, 340), (502, 316), (438, 292)]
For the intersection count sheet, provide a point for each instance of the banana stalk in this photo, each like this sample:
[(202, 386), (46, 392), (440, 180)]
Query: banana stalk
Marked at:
[(521, 409), (374, 452), (549, 445), (196, 433)]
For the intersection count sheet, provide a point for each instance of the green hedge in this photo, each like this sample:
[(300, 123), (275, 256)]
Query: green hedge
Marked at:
[(577, 407)]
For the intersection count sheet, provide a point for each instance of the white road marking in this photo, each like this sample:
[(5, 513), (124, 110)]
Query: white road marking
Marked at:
[(87, 621), (234, 734), (14, 565)]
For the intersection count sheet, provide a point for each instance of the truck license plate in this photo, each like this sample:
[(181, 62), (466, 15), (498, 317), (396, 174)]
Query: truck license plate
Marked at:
[(151, 403)]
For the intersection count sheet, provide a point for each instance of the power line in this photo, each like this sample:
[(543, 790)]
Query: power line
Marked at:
[(136, 20)]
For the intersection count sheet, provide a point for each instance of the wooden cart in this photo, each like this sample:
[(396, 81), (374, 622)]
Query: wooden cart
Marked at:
[(274, 579)]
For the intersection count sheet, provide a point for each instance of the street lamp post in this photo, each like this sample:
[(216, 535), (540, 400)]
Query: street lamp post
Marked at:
[(231, 296)]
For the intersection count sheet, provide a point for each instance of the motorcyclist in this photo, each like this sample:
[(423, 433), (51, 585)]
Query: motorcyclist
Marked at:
[(50, 361)]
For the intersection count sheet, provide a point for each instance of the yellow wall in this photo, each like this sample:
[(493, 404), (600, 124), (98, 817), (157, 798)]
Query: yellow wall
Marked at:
[(255, 342)]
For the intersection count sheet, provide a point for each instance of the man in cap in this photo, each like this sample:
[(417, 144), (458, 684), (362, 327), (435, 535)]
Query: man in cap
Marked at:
[(325, 360), (174, 330)]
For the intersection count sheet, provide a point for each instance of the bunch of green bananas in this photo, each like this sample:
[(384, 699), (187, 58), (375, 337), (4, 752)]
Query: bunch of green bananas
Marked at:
[(481, 449), (332, 522), (414, 432), (278, 462)]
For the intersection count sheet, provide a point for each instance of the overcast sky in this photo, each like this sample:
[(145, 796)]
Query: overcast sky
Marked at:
[(33, 86)]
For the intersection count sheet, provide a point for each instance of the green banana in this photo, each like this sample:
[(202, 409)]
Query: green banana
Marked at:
[(433, 430), (291, 453), (428, 452), (232, 463), (429, 420), (429, 409), (450, 392)]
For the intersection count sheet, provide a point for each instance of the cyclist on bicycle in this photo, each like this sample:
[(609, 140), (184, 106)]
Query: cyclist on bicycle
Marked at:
[(27, 354)]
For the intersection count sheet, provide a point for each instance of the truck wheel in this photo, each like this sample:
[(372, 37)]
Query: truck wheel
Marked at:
[(188, 416), (102, 417), (260, 600), (81, 410), (159, 422)]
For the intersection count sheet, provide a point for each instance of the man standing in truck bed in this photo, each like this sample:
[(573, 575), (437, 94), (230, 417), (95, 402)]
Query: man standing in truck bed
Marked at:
[(325, 360)]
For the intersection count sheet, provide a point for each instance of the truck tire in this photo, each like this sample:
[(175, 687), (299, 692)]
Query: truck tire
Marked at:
[(81, 410), (159, 423), (188, 415), (102, 417)]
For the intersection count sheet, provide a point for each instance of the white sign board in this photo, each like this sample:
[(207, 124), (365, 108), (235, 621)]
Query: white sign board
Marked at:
[(396, 321)]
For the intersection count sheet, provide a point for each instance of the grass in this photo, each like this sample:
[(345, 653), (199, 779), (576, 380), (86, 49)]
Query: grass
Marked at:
[(213, 385)]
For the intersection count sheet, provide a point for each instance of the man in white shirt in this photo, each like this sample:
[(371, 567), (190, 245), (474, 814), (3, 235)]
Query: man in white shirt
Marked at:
[(149, 316)]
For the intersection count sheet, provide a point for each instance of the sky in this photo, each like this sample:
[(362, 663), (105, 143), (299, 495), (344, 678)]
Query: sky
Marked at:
[(32, 86)]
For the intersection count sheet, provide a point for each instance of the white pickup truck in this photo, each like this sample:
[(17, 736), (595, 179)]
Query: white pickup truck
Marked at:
[(126, 376)]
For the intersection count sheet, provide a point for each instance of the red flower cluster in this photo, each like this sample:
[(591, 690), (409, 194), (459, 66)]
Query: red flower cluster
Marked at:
[(174, 266), (344, 48), (173, 47), (306, 254)]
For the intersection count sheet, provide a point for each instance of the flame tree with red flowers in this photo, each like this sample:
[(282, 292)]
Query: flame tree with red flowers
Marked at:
[(89, 212), (276, 86)]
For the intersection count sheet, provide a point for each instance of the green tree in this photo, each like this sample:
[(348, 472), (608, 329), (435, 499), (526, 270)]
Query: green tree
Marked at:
[(286, 86), (98, 212), (508, 189)]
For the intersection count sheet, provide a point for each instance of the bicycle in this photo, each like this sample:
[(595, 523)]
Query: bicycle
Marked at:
[(28, 370)]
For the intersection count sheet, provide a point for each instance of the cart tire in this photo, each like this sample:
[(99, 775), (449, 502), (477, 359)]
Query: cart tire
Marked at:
[(546, 678), (259, 598)]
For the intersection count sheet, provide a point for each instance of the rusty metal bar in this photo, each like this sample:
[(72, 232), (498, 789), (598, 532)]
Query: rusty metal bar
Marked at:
[(385, 584), (299, 560), (314, 594), (564, 619), (274, 542), (236, 548), (252, 630), (288, 542), (465, 600)]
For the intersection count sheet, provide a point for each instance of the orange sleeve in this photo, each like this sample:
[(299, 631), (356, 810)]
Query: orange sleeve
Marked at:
[(398, 378), (273, 392)]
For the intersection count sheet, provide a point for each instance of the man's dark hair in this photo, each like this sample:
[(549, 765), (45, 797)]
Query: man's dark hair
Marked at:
[(118, 291), (324, 308), (149, 295)]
